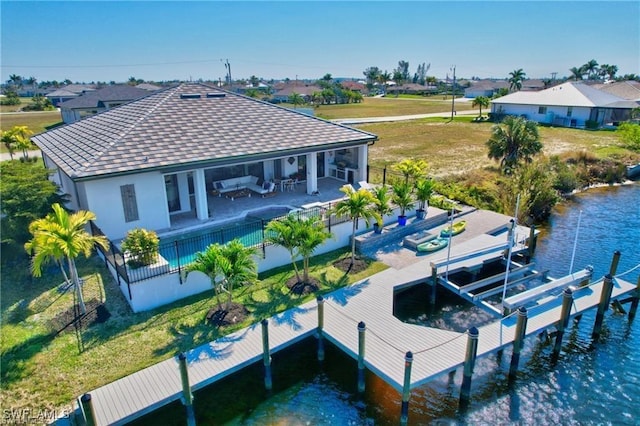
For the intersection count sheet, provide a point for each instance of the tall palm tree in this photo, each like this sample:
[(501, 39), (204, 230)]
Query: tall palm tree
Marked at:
[(591, 68), (311, 235), (515, 79), (357, 205), (9, 140), (284, 233), (232, 263), (480, 101), (296, 99), (516, 139), (382, 79), (577, 73), (62, 235)]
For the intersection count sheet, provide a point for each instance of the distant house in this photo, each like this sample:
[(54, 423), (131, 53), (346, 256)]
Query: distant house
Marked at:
[(175, 151), (354, 86), (569, 104), (486, 88), (411, 89), (306, 90), (91, 103), (68, 92), (629, 90)]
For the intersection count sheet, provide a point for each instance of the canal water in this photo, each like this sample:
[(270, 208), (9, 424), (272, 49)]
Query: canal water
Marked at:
[(592, 383)]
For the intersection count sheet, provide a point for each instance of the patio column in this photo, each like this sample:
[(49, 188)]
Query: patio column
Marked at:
[(200, 188), (363, 152), (312, 173)]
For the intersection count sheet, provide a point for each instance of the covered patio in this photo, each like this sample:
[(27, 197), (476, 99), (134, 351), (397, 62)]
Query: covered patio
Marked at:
[(223, 209)]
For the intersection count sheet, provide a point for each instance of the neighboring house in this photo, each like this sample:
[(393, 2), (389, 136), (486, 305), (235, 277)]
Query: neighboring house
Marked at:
[(91, 103), (411, 89), (148, 86), (173, 151), (303, 89), (569, 104), (486, 88), (354, 86), (629, 90), (68, 92)]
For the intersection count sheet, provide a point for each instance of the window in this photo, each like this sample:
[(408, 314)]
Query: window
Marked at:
[(569, 111), (542, 110), (129, 203)]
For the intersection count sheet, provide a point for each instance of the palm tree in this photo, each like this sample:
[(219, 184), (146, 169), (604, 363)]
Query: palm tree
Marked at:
[(481, 102), (296, 99), (383, 203), (21, 139), (9, 141), (424, 190), (577, 73), (311, 235), (284, 233), (62, 235), (591, 68), (231, 264), (411, 168), (357, 204), (515, 79), (383, 77), (515, 140), (609, 71), (403, 198)]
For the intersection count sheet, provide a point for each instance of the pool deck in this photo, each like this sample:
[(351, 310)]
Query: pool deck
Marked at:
[(435, 351)]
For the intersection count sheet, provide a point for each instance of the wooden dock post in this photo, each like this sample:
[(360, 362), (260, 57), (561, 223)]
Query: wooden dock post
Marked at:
[(320, 301), (469, 364), (361, 330), (266, 355), (605, 296), (561, 325), (532, 242), (187, 396), (87, 409), (614, 263), (518, 342), (406, 389), (434, 285), (634, 302)]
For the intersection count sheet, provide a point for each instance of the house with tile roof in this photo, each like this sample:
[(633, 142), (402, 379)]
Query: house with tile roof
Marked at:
[(95, 101), (177, 150), (569, 104)]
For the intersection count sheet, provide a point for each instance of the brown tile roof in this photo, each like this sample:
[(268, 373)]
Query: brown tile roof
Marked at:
[(165, 130)]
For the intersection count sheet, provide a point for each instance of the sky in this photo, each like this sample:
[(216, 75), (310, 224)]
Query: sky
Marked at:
[(88, 41)]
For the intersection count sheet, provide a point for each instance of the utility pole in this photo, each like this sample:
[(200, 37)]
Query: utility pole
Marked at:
[(227, 66), (453, 93)]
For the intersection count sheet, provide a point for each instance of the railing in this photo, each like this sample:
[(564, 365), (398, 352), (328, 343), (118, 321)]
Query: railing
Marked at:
[(178, 252), (383, 175)]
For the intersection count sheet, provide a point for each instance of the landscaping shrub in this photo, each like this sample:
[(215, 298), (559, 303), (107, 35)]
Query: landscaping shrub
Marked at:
[(142, 246)]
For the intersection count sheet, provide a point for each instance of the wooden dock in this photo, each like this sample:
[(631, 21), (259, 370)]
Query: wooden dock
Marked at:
[(371, 301)]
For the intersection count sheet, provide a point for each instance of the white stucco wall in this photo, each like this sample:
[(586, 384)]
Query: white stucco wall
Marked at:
[(580, 114), (105, 200)]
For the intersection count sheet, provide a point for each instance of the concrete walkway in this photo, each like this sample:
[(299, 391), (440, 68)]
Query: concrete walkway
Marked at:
[(349, 121)]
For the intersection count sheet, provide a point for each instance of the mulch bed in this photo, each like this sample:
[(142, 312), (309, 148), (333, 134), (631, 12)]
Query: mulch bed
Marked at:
[(345, 265), (220, 316), (71, 320), (300, 288)]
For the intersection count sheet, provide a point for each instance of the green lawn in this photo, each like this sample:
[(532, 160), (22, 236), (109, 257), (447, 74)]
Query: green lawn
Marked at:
[(37, 121), (43, 369)]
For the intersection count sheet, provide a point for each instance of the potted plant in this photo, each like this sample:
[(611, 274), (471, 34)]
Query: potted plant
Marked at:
[(403, 198), (424, 189), (142, 246), (382, 206)]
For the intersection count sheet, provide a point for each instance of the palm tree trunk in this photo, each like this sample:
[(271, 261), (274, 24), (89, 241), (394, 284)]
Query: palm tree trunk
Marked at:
[(64, 273), (353, 241), (76, 283), (306, 269)]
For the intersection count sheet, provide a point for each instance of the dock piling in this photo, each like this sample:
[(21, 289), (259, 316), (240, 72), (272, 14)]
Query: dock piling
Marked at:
[(518, 343), (266, 355), (187, 396), (614, 263), (469, 364), (87, 410), (434, 285), (634, 302), (567, 301), (361, 332), (531, 242), (605, 296), (320, 301), (406, 389)]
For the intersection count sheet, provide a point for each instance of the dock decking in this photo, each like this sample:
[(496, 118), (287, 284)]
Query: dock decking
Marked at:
[(371, 300)]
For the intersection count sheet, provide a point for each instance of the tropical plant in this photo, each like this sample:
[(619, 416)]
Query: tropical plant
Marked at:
[(411, 168), (424, 190), (9, 141), (577, 73), (591, 68), (142, 246), (515, 140), (356, 205), (515, 79), (296, 99), (62, 235), (382, 203), (228, 266), (481, 102), (300, 237), (630, 135), (17, 138), (403, 197)]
